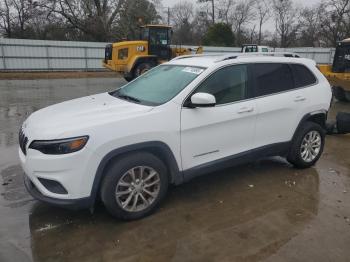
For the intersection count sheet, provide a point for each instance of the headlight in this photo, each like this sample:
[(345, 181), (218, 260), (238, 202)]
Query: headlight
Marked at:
[(59, 146)]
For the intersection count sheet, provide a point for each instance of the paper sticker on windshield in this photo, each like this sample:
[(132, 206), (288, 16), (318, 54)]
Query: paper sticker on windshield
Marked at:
[(193, 70)]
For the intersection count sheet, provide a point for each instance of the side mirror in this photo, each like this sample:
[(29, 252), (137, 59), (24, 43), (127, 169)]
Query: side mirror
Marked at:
[(203, 100)]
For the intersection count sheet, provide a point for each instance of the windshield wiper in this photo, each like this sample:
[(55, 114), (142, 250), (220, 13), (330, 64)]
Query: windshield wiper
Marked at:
[(129, 98)]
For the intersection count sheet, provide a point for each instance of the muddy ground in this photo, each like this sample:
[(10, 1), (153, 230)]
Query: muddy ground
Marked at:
[(264, 211)]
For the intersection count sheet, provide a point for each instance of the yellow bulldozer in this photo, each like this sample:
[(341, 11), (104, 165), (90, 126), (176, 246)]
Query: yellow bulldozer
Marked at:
[(338, 73), (133, 58)]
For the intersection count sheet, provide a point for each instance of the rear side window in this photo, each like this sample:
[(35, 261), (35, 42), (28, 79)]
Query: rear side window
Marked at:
[(272, 78), (302, 75)]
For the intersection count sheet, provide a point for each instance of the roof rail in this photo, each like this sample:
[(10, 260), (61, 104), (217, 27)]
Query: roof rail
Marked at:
[(194, 55), (228, 56), (236, 55)]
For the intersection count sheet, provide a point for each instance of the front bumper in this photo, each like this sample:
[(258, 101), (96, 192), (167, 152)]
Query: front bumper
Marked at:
[(73, 172), (80, 203)]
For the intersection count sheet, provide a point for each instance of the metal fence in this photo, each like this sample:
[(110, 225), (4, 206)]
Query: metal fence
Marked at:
[(43, 55)]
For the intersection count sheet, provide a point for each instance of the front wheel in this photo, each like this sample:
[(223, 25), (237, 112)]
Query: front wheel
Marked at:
[(134, 186), (142, 68), (307, 145), (128, 78)]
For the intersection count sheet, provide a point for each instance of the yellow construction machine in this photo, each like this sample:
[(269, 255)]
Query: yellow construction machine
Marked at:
[(338, 73), (133, 58)]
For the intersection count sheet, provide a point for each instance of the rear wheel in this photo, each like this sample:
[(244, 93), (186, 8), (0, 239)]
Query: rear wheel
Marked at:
[(134, 186), (339, 94), (307, 145)]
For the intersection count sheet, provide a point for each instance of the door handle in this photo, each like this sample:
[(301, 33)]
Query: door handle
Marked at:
[(245, 110), (299, 99)]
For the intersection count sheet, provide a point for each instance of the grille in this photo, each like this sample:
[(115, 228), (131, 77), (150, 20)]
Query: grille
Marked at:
[(23, 140)]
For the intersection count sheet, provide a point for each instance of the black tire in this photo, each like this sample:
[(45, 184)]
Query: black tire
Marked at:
[(295, 153), (128, 78), (343, 123), (116, 171), (142, 68), (339, 94), (347, 95)]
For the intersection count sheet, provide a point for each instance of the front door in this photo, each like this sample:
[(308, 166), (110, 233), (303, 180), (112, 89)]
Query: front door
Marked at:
[(213, 133)]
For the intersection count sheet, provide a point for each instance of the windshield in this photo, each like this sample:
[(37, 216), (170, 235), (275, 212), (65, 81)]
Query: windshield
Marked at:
[(158, 85)]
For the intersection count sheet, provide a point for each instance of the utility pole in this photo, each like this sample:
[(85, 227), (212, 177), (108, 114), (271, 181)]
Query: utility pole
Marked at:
[(168, 15), (212, 8), (213, 11)]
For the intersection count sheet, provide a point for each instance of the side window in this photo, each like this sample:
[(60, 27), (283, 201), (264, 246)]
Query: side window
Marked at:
[(123, 53), (272, 78), (302, 75), (228, 84)]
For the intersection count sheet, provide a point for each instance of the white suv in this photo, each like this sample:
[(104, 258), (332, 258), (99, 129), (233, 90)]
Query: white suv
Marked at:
[(190, 116)]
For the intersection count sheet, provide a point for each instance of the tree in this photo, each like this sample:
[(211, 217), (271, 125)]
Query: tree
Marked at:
[(200, 26), (94, 18), (219, 34), (310, 26), (262, 8), (212, 8), (135, 14), (335, 20), (181, 12), (16, 16), (242, 15), (285, 15), (182, 18), (5, 17), (225, 8)]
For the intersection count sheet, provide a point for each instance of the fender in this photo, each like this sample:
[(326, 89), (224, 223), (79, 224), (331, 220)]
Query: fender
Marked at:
[(160, 149)]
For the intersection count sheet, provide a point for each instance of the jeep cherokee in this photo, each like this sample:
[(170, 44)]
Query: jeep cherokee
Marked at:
[(190, 116)]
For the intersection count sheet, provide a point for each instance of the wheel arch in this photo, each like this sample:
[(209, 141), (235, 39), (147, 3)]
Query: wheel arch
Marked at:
[(318, 117), (141, 59), (157, 148)]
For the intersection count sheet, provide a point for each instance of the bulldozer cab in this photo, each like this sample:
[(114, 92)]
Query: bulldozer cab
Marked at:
[(158, 38), (341, 62)]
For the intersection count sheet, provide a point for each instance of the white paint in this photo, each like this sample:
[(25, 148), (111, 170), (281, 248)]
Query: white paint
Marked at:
[(194, 135)]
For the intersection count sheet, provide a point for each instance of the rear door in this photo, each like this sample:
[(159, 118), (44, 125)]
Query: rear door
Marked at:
[(213, 133), (279, 103)]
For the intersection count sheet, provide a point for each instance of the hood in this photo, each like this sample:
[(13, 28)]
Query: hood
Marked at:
[(59, 120)]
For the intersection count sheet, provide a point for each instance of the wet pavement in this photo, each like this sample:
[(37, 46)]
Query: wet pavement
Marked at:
[(264, 211)]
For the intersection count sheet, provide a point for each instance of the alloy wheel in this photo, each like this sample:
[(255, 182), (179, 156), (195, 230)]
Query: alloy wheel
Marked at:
[(311, 146), (138, 188)]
